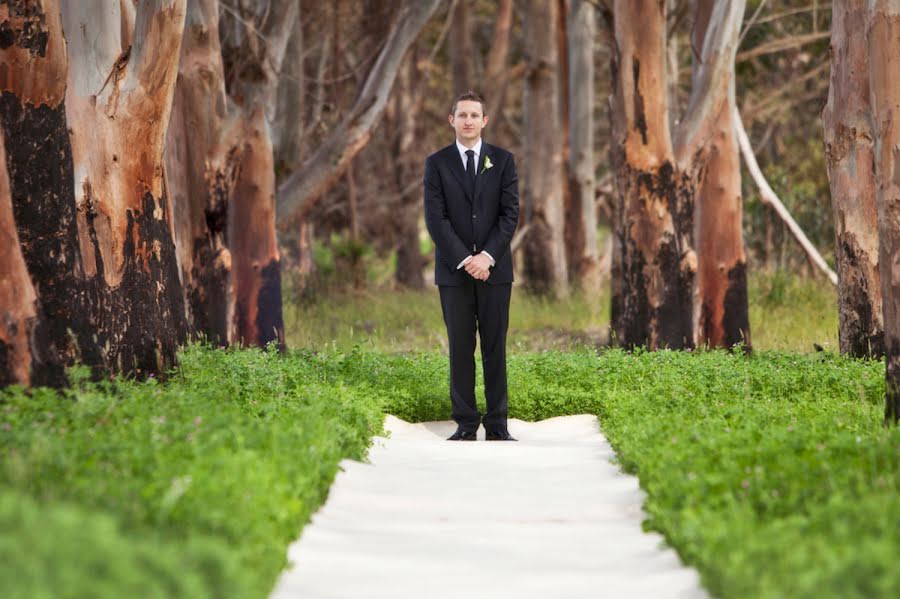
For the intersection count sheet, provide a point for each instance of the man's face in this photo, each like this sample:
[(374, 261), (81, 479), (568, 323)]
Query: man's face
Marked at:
[(468, 121)]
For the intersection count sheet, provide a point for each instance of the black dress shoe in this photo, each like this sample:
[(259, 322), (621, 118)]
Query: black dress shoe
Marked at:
[(461, 435), (499, 436)]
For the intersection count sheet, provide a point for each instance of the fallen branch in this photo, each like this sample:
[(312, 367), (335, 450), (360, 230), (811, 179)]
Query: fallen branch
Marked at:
[(769, 198)]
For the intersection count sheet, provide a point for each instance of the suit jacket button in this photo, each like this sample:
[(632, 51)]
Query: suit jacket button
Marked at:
[(473, 217)]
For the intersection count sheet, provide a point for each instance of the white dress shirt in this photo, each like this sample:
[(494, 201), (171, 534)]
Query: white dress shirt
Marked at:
[(465, 159)]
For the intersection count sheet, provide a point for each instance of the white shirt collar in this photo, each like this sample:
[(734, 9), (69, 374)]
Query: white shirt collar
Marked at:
[(462, 151)]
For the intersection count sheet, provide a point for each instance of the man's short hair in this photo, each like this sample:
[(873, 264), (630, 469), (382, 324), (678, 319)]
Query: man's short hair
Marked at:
[(471, 96)]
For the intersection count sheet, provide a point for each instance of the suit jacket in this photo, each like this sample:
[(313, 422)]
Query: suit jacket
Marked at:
[(461, 223)]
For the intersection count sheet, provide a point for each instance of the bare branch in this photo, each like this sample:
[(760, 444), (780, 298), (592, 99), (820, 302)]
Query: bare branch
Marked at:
[(306, 185), (768, 197)]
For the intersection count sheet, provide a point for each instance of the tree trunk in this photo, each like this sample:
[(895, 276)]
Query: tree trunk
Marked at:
[(722, 306), (86, 177), (406, 168), (18, 299), (851, 173), (118, 102), (252, 238), (497, 72), (544, 257), (654, 262), (584, 260), (653, 258), (37, 206), (461, 51), (198, 189), (289, 115), (884, 64), (252, 63), (573, 234)]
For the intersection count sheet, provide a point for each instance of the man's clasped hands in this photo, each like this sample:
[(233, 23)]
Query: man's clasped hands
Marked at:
[(479, 267)]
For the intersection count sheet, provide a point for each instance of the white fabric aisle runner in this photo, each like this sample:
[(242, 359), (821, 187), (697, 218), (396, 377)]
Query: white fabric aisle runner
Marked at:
[(547, 517)]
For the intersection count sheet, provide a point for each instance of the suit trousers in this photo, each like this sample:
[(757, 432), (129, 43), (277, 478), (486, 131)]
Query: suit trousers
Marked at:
[(477, 305)]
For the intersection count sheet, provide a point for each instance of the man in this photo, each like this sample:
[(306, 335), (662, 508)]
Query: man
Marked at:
[(471, 211)]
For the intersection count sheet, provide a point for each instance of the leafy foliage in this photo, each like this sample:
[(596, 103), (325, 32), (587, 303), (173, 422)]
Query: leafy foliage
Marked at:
[(771, 473)]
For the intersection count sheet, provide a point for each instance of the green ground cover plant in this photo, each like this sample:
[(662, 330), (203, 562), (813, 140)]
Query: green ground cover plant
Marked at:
[(193, 488), (772, 474)]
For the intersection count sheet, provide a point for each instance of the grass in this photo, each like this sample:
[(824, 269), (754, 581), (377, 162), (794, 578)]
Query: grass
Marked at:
[(786, 313), (792, 314), (771, 473)]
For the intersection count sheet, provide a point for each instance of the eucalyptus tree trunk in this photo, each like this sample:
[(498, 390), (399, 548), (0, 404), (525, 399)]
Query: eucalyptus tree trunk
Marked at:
[(118, 100), (84, 121), (544, 260), (884, 64), (409, 257), (722, 307), (37, 205), (849, 155), (200, 181), (290, 122), (584, 259), (496, 75), (253, 59), (658, 178), (19, 353)]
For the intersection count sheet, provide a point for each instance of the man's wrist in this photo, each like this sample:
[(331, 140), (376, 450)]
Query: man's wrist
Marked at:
[(491, 258), (465, 261)]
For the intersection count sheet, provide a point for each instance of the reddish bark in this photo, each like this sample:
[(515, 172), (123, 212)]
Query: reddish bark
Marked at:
[(849, 155), (18, 300), (723, 319), (199, 179)]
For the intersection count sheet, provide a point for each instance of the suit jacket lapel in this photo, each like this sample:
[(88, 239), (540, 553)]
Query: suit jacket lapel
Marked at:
[(458, 171), (480, 170)]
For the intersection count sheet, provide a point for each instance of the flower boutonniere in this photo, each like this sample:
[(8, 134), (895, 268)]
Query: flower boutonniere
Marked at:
[(487, 164)]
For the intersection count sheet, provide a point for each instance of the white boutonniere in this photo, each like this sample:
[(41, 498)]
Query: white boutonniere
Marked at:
[(487, 164)]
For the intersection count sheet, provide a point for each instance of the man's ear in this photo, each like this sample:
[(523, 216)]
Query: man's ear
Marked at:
[(485, 121), (450, 119)]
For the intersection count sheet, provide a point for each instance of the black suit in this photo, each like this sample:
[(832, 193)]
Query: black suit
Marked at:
[(464, 223)]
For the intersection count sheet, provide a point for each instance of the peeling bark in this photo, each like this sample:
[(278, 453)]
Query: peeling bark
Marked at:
[(849, 155), (722, 306), (252, 63), (884, 63), (654, 261), (118, 100), (199, 179), (43, 290), (254, 247), (544, 259), (653, 257)]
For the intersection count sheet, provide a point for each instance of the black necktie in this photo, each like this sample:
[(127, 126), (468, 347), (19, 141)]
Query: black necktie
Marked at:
[(470, 169)]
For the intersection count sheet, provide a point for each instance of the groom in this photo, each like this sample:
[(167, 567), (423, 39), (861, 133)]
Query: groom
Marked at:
[(471, 211)]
